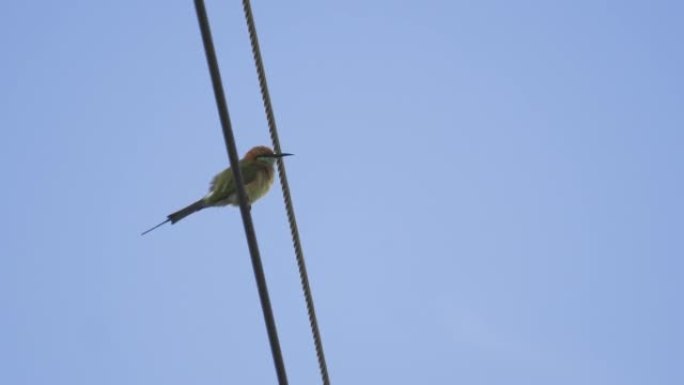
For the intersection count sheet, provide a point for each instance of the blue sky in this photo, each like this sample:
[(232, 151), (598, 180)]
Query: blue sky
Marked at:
[(489, 192)]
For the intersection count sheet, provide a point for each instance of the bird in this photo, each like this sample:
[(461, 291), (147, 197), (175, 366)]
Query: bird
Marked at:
[(257, 174)]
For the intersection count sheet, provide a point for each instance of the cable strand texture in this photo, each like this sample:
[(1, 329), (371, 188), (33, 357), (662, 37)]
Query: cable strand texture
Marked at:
[(301, 265)]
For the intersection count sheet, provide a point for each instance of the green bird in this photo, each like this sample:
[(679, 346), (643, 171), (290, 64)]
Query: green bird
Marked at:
[(257, 174)]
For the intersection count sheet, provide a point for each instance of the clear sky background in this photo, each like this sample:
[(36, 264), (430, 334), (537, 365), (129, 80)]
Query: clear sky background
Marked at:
[(489, 192)]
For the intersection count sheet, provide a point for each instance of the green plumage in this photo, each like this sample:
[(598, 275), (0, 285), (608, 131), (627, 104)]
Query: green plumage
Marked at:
[(257, 175)]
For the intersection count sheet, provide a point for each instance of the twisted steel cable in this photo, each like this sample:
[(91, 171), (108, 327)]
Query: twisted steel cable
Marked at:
[(301, 264)]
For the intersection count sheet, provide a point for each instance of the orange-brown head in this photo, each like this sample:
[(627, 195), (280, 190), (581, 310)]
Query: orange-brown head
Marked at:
[(262, 152), (258, 151)]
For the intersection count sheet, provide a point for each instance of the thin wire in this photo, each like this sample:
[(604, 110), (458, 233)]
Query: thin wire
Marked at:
[(242, 196), (256, 52)]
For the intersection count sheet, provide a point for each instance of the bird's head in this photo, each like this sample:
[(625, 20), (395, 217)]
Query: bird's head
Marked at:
[(263, 153)]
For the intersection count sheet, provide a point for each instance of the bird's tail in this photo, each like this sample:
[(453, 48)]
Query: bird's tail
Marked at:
[(182, 213)]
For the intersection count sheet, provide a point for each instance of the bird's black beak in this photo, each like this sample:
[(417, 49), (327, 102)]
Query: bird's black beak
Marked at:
[(281, 155)]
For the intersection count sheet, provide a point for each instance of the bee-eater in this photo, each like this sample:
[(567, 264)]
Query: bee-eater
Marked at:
[(257, 174)]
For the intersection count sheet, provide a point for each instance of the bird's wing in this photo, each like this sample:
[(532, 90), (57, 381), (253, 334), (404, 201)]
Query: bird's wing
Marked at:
[(223, 184), (223, 181)]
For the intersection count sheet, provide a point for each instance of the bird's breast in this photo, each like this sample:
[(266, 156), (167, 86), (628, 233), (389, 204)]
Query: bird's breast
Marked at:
[(261, 184)]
